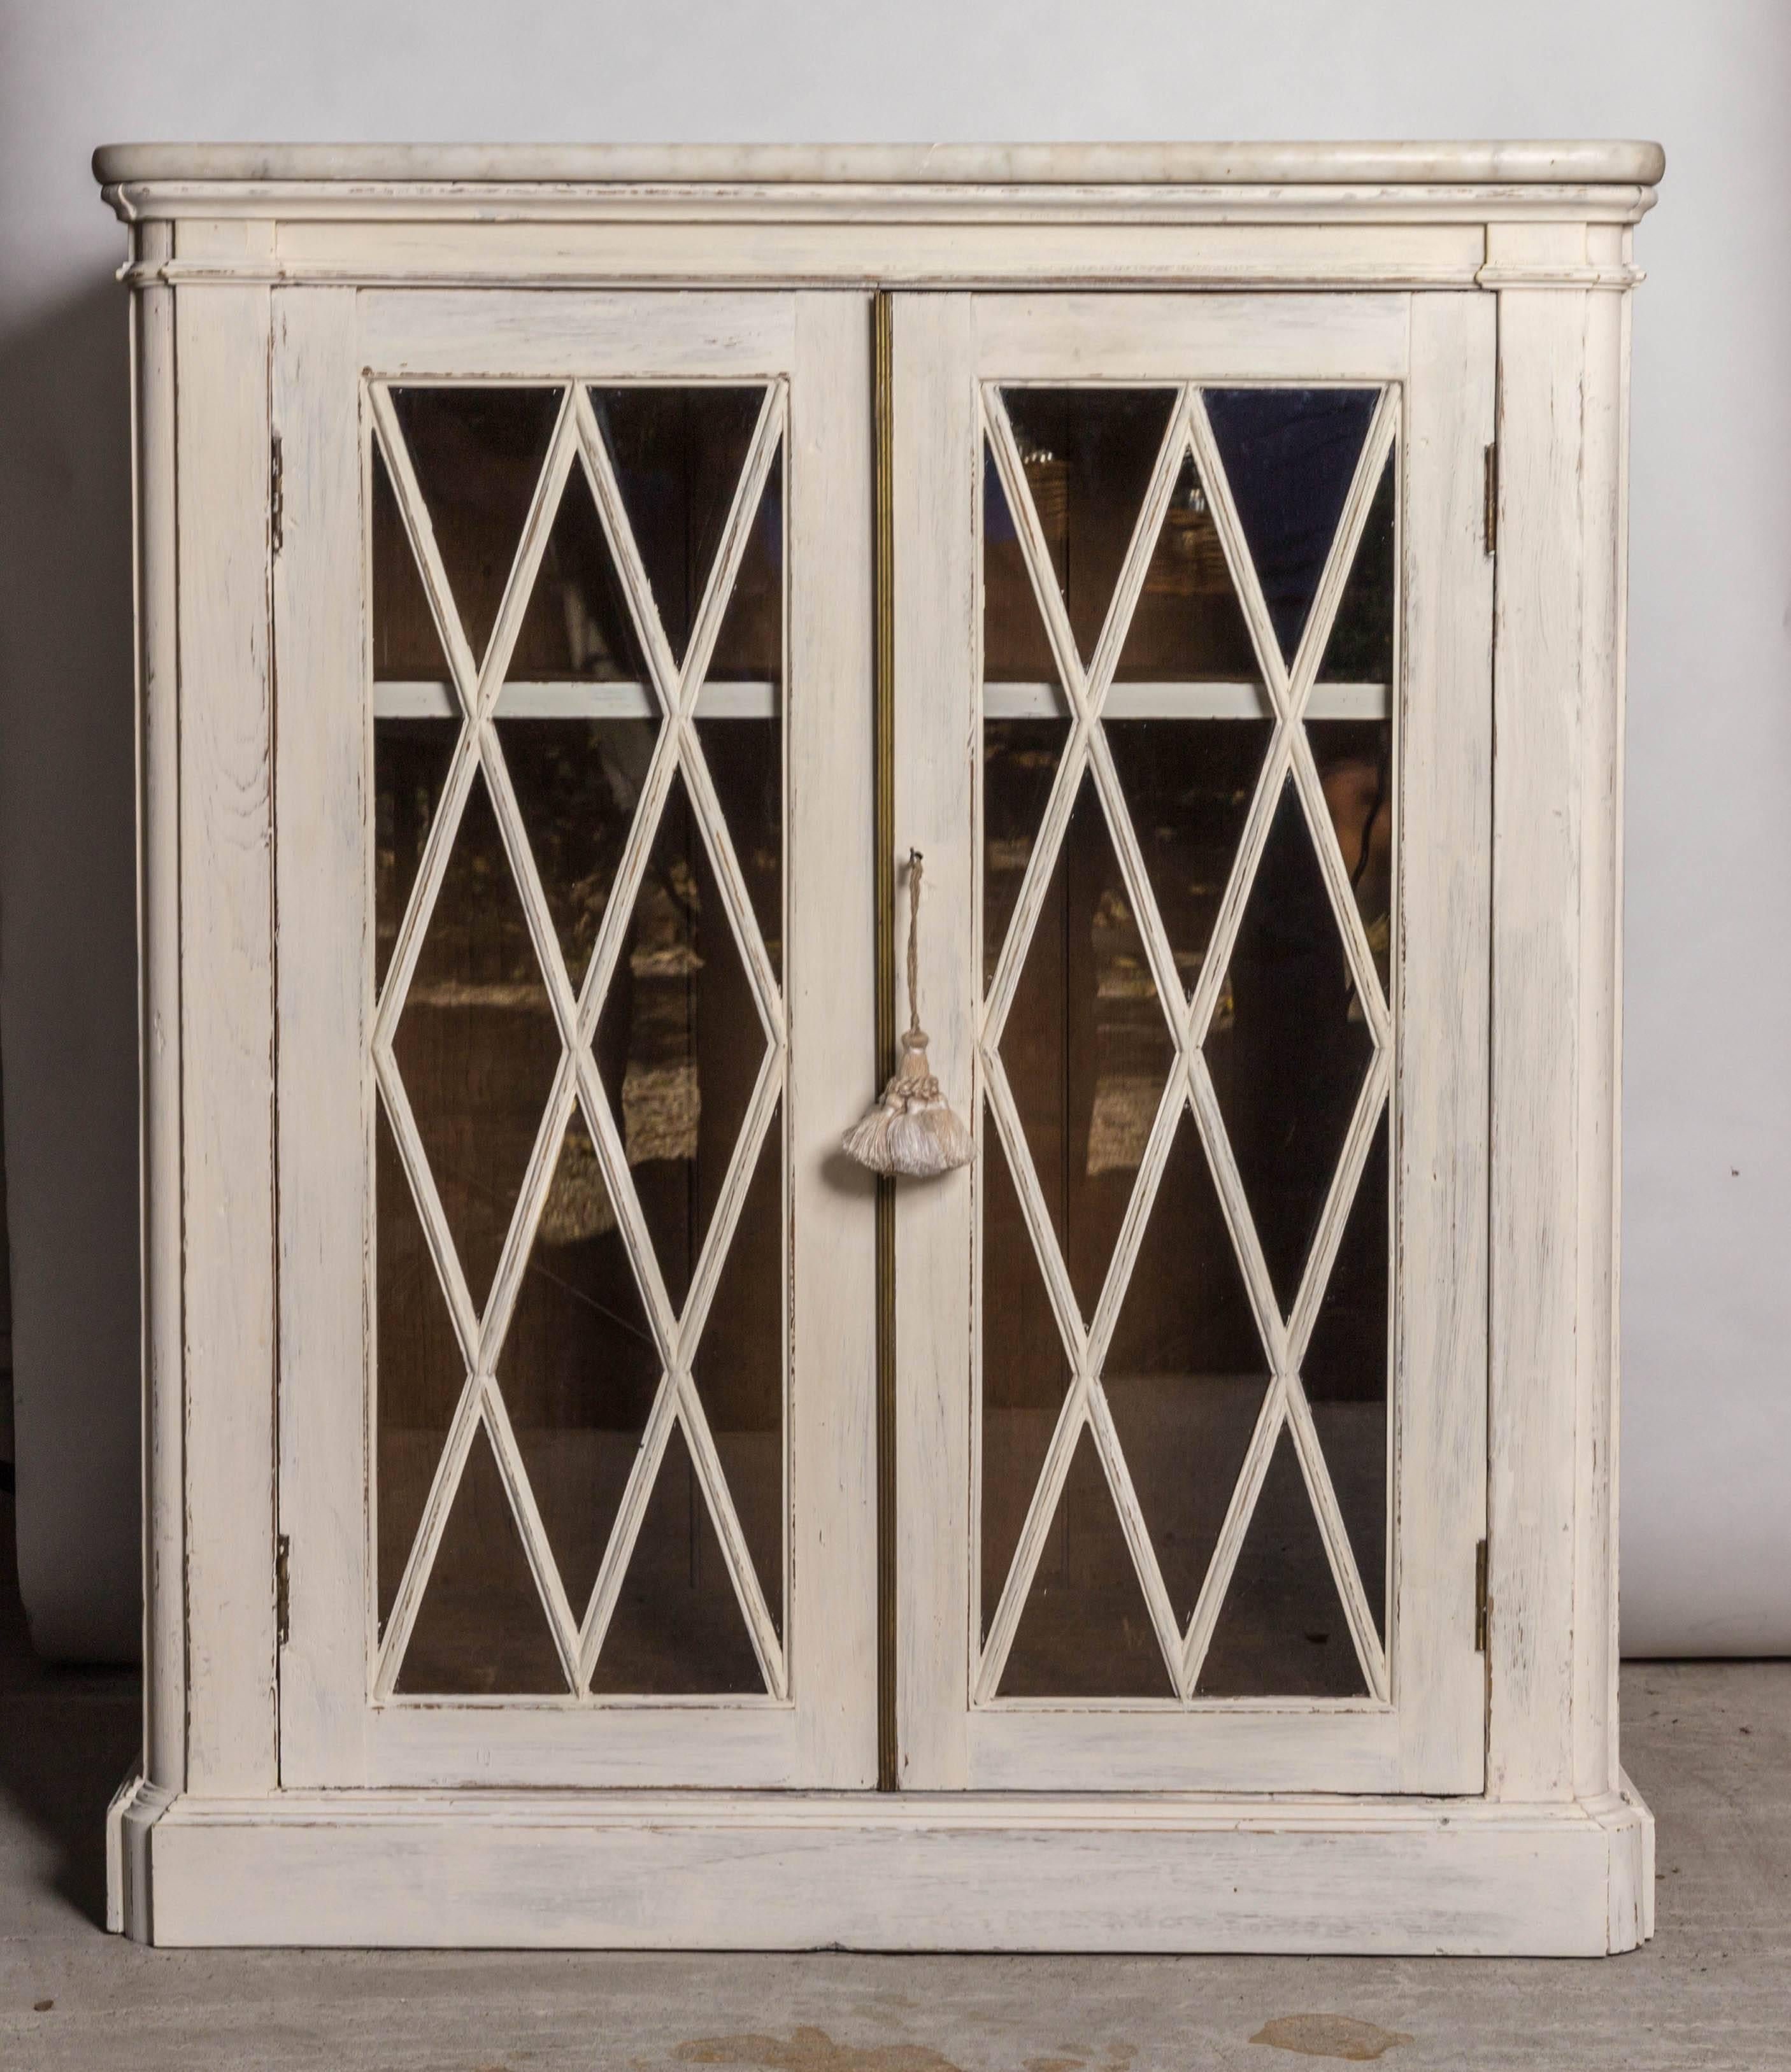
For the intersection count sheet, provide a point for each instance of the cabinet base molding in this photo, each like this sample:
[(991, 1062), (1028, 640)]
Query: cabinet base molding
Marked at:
[(782, 1871)]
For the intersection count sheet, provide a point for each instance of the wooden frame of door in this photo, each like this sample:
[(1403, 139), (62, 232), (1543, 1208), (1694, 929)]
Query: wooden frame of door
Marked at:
[(1421, 1726), (336, 358)]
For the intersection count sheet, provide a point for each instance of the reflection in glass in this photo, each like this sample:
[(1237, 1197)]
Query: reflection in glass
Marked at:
[(420, 1372), (1282, 1632), (1345, 1371), (578, 622), (739, 1369), (478, 455), (1289, 455), (679, 1043), (1189, 786), (1288, 1047), (678, 455), (579, 1368), (1354, 759), (1025, 1374), (1019, 762), (1185, 1375), (1088, 454), (1087, 1048), (481, 1629), (406, 646), (577, 783), (1016, 649), (1085, 1631), (411, 768), (476, 1044), (1187, 625), (677, 1626), (1360, 650)]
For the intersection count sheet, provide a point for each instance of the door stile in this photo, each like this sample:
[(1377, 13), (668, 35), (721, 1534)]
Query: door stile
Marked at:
[(351, 1718), (1409, 1730)]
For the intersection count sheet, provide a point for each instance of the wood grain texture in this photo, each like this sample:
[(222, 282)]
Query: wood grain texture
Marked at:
[(227, 1034), (936, 466), (1443, 982), (902, 1872), (1537, 1209), (154, 420), (325, 1107), (832, 1208)]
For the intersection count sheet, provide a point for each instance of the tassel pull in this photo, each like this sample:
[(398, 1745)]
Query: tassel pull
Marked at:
[(912, 1130)]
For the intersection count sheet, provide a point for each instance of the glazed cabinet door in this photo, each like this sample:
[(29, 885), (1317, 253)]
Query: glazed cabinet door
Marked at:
[(1192, 726), (573, 639)]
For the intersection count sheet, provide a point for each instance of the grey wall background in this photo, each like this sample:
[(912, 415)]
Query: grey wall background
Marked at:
[(1706, 1521)]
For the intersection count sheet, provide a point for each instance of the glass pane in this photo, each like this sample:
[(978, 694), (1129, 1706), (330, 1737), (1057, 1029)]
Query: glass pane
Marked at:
[(750, 643), (1186, 1374), (1355, 766), (677, 1625), (1346, 1373), (480, 1630), (577, 783), (578, 622), (1189, 786), (1016, 649), (1282, 1633), (1088, 454), (579, 1368), (742, 735), (1289, 455), (418, 1373), (1087, 1048), (476, 1044), (407, 647), (411, 768), (1188, 625), (678, 455), (1360, 650), (679, 1043), (1288, 1047), (1019, 762), (1086, 1631), (1025, 1374), (739, 1369), (478, 455)]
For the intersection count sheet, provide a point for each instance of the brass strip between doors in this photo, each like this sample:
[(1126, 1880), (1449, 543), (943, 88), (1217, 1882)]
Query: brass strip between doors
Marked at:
[(884, 885)]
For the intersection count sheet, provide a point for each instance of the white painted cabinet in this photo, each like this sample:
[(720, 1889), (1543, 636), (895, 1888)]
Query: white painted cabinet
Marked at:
[(583, 1507)]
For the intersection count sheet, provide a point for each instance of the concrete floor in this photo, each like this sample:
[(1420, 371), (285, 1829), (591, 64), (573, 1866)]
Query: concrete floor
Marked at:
[(1709, 1744)]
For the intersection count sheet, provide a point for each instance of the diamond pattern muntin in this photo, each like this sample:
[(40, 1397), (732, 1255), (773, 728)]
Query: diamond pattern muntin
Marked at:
[(1247, 915), (1290, 455), (677, 455), (679, 1043), (1288, 1058), (1087, 455), (1088, 1048), (566, 1210), (476, 1043)]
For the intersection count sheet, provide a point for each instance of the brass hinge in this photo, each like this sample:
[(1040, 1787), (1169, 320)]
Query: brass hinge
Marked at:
[(277, 496), (283, 1587), (1490, 517), (1480, 1598)]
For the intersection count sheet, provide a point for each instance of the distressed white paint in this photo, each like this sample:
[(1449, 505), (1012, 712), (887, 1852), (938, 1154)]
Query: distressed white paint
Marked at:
[(267, 291)]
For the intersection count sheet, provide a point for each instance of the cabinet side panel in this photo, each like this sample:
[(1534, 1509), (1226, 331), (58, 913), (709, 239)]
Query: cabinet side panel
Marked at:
[(936, 457), (158, 953), (227, 1030), (1446, 804), (1601, 794), (321, 874), (1538, 1208), (832, 1203)]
